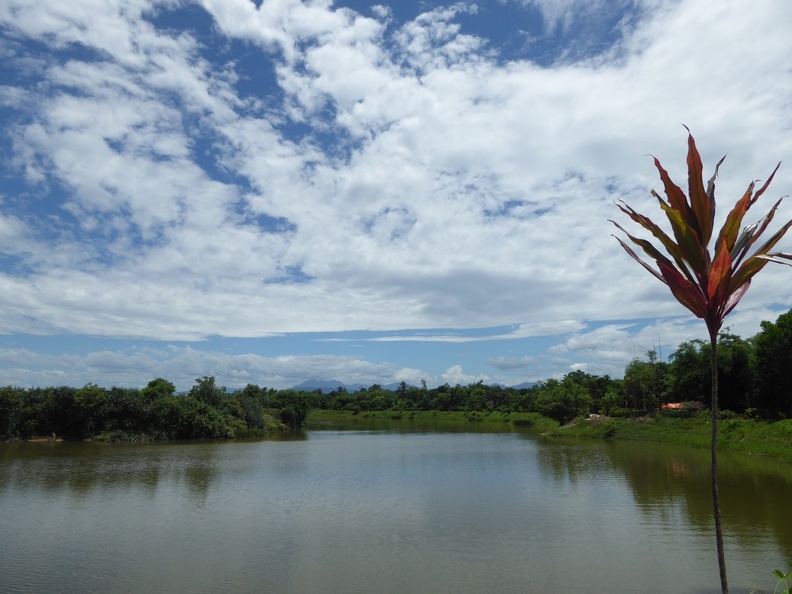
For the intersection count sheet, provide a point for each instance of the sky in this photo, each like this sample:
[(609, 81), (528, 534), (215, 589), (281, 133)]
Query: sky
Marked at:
[(275, 191)]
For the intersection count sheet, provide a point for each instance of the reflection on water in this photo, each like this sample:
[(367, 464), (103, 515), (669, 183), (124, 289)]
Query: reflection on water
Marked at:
[(754, 491), (385, 508), (671, 483)]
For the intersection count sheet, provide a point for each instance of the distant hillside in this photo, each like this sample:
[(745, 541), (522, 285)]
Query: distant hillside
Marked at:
[(327, 386)]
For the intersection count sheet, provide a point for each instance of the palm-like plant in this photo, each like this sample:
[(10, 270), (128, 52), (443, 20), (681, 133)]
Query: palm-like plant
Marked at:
[(709, 285)]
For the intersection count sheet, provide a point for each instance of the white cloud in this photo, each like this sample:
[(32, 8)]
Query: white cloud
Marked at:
[(416, 179), (518, 332), (455, 375), (183, 364), (511, 363)]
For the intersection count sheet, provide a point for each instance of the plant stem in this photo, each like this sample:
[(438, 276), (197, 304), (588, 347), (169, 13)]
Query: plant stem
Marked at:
[(715, 495)]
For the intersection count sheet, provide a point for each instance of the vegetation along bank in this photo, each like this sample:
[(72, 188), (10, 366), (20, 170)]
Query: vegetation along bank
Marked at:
[(754, 393)]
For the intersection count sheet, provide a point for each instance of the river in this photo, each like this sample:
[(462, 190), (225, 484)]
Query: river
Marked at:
[(385, 509)]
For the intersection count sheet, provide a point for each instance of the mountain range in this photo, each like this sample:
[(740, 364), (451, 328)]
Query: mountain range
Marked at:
[(327, 386)]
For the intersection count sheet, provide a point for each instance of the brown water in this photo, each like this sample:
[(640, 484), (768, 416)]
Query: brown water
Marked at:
[(385, 511)]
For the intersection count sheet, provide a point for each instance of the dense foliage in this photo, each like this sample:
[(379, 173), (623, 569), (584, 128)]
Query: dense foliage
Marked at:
[(756, 377), (155, 412)]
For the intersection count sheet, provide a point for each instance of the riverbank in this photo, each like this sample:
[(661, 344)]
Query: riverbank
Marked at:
[(523, 420), (749, 436), (736, 434)]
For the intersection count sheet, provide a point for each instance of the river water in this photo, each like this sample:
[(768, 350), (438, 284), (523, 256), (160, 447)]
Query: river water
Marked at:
[(387, 509)]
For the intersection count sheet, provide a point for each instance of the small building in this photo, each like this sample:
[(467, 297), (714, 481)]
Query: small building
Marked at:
[(691, 405)]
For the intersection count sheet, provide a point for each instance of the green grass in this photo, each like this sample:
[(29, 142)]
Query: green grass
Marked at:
[(481, 419), (735, 434)]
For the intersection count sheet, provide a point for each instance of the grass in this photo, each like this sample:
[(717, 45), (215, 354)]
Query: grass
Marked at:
[(481, 419), (735, 434), (750, 436)]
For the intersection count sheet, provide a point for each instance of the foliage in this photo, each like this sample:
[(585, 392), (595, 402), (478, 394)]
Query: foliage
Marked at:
[(437, 419), (709, 285), (563, 401), (12, 403), (736, 371), (646, 382), (773, 362), (207, 391), (690, 374), (748, 436), (157, 412), (158, 388), (784, 585), (690, 377)]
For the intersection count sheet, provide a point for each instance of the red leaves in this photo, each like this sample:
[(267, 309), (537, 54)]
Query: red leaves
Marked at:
[(703, 206), (720, 275), (709, 287), (687, 293)]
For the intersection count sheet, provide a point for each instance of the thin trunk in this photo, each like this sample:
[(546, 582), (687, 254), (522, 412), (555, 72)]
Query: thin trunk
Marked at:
[(715, 496)]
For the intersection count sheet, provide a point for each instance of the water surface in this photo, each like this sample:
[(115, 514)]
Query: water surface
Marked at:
[(381, 509)]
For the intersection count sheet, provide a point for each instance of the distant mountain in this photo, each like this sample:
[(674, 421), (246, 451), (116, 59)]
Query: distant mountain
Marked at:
[(327, 386)]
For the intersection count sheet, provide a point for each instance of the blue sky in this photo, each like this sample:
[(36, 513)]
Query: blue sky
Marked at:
[(274, 191)]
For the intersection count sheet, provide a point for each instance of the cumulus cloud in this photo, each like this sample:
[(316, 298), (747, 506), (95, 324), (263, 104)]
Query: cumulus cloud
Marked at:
[(303, 167), (455, 375), (182, 365)]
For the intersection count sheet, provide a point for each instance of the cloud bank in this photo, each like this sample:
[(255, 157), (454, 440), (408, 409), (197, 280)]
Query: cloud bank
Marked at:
[(177, 171)]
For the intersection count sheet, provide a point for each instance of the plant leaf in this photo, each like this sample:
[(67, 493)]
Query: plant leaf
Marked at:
[(750, 235), (731, 227), (647, 247), (702, 204), (687, 293), (635, 257), (774, 257), (688, 241), (767, 183), (719, 276), (711, 182), (672, 248), (676, 197), (734, 298), (709, 286)]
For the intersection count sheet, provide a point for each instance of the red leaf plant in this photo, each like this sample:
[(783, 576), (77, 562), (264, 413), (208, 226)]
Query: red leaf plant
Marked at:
[(708, 285)]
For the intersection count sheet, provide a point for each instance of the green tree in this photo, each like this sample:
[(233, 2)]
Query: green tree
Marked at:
[(380, 399), (477, 397), (773, 361), (614, 402), (186, 417), (12, 404), (735, 367), (690, 372), (709, 284), (206, 390), (691, 376), (646, 382), (563, 401), (157, 388), (249, 405)]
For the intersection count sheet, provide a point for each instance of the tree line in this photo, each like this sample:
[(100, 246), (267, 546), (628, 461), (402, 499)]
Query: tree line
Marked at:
[(156, 412), (756, 378), (755, 374)]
